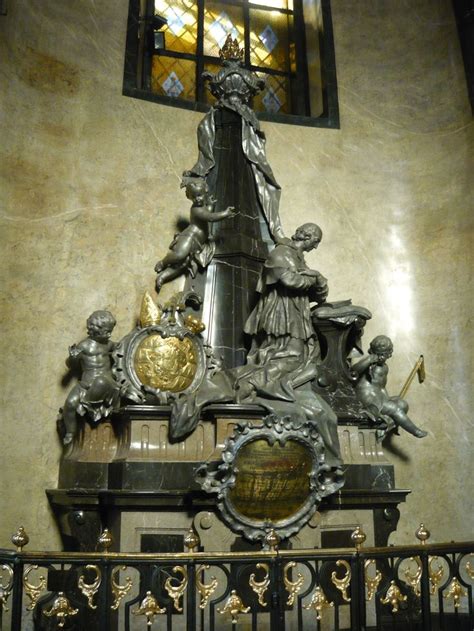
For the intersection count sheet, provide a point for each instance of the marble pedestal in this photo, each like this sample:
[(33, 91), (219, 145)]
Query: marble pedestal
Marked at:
[(126, 475)]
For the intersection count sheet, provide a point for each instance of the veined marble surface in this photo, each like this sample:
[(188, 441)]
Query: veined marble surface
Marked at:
[(89, 198)]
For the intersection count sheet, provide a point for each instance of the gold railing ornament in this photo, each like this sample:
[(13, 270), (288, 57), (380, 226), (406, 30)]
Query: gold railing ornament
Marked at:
[(33, 591), (435, 576), (371, 582), (318, 603), (119, 591), (89, 590), (233, 607), (393, 597), (455, 591), (260, 587), (149, 608), (192, 541), (414, 578), (358, 537), (61, 609), (272, 540), (205, 589), (343, 583), (105, 540), (20, 539), (5, 589), (176, 590), (292, 587), (470, 569), (422, 534)]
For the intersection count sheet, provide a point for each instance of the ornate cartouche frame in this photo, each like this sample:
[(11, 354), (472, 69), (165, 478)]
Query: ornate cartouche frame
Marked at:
[(171, 323), (130, 346), (273, 429)]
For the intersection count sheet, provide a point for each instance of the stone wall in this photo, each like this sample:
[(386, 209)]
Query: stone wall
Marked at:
[(90, 196)]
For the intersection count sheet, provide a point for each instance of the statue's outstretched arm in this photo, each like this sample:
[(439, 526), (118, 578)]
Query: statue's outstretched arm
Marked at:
[(206, 215), (363, 364)]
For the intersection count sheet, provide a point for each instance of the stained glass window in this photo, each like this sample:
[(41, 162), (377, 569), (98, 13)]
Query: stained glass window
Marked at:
[(176, 40)]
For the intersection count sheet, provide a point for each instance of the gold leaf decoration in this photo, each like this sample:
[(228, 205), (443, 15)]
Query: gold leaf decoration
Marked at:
[(260, 587), (150, 313)]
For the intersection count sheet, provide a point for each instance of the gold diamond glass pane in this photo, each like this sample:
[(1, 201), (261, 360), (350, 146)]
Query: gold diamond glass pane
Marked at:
[(221, 20), (181, 31), (274, 4), (173, 77), (208, 98), (269, 39), (275, 98)]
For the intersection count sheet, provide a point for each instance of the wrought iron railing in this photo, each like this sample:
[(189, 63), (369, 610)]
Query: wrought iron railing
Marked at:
[(422, 587)]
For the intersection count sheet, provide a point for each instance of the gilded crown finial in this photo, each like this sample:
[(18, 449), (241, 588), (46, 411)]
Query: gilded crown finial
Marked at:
[(358, 537), (231, 50)]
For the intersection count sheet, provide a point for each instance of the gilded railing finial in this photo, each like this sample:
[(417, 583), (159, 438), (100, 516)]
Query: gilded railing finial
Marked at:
[(20, 539), (192, 541), (105, 540), (272, 540), (358, 537), (422, 534)]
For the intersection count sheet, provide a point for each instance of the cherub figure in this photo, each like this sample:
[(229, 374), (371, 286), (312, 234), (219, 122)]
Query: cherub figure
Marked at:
[(193, 247), (97, 392), (370, 388)]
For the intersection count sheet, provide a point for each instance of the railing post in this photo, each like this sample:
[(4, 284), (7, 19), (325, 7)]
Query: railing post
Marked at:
[(277, 597), (425, 592), (191, 597), (104, 597), (17, 596), (357, 593)]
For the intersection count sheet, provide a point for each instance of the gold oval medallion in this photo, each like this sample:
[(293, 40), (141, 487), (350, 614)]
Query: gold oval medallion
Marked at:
[(272, 482), (168, 364)]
